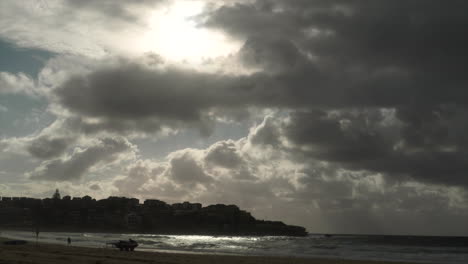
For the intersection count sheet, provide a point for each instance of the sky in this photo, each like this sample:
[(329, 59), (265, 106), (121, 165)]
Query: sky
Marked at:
[(343, 116)]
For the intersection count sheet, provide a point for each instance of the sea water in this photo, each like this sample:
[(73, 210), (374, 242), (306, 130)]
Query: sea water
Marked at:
[(424, 249)]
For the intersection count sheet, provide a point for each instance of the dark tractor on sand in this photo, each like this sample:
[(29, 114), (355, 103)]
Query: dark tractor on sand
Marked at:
[(129, 245)]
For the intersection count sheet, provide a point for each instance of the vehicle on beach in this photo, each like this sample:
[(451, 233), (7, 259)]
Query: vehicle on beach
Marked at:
[(127, 245)]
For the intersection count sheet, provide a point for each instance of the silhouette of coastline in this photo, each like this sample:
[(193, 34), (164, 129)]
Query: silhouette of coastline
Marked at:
[(122, 215)]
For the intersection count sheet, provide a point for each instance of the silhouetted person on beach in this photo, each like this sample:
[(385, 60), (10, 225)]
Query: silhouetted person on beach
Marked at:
[(37, 234), (69, 241)]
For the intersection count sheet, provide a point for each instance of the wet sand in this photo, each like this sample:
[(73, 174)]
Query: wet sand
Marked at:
[(49, 253)]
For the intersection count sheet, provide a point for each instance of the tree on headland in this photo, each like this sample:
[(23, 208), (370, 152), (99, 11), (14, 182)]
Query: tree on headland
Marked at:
[(56, 195)]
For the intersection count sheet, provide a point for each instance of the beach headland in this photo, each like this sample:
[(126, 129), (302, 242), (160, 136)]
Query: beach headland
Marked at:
[(50, 253), (122, 214)]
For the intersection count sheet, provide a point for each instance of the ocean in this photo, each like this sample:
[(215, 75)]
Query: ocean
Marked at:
[(418, 249)]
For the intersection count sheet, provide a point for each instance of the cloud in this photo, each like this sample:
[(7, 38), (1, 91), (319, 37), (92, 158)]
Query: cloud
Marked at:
[(50, 142), (19, 83), (345, 69), (74, 167), (352, 53), (341, 137), (184, 168), (266, 133), (224, 154), (331, 57), (64, 26), (128, 95), (45, 148), (368, 141), (121, 9), (95, 187), (282, 184), (295, 71), (139, 173), (326, 54), (271, 54), (135, 92)]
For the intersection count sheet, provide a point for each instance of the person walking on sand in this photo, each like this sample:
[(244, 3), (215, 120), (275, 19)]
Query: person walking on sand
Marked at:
[(69, 241)]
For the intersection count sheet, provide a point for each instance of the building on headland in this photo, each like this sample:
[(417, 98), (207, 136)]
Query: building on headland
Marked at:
[(186, 207), (73, 217), (6, 199), (155, 203), (133, 220)]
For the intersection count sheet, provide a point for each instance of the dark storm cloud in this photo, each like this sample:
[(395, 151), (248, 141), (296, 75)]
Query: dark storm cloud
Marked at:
[(337, 138), (405, 55), (428, 146), (366, 52), (135, 92), (313, 57), (45, 147), (272, 54), (133, 96), (443, 126), (104, 150)]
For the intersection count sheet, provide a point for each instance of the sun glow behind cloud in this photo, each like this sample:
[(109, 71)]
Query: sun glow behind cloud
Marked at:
[(175, 36)]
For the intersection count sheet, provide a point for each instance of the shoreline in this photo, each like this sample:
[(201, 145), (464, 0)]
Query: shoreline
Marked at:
[(43, 253), (159, 232)]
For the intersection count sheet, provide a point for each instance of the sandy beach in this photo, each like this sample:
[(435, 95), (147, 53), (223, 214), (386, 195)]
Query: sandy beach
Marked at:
[(49, 253)]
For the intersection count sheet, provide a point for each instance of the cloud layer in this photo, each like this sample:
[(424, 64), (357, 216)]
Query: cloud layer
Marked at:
[(277, 182)]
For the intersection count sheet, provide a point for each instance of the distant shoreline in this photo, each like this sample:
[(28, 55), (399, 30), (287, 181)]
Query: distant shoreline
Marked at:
[(52, 253), (126, 231)]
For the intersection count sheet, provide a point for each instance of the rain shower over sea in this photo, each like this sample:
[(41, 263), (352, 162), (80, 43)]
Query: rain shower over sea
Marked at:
[(424, 249)]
